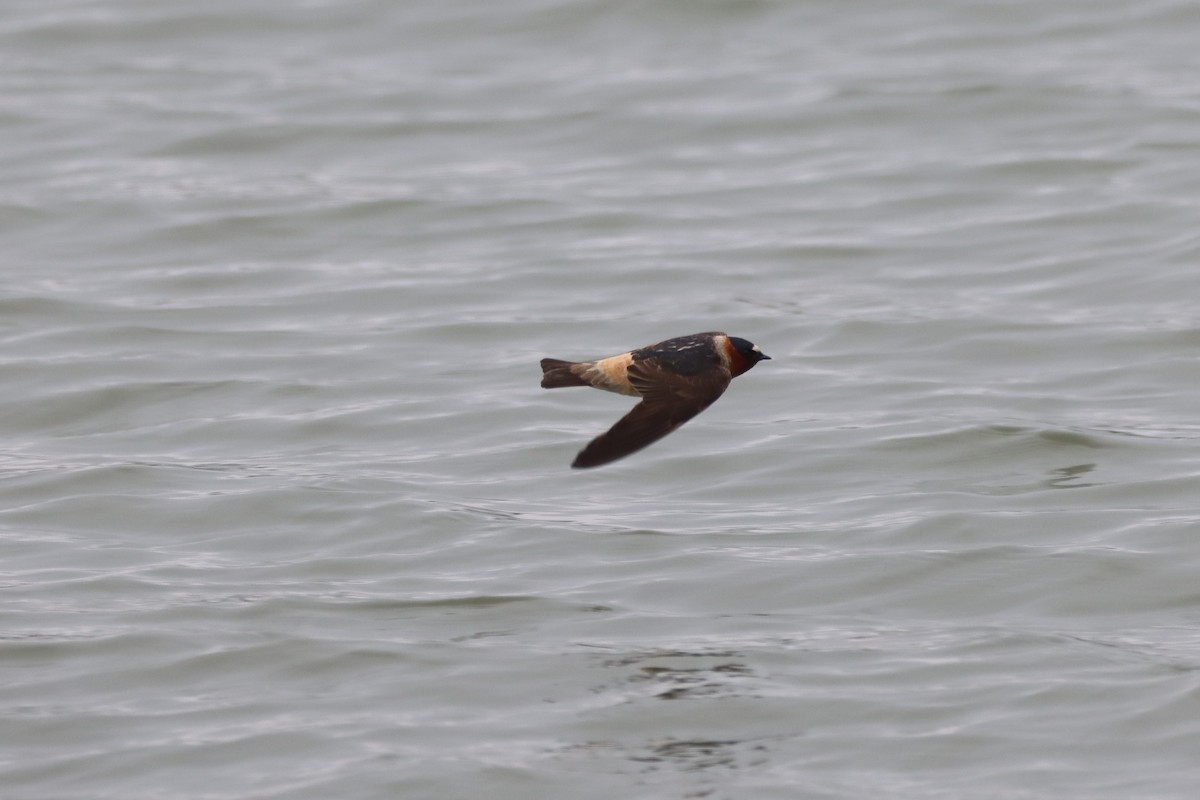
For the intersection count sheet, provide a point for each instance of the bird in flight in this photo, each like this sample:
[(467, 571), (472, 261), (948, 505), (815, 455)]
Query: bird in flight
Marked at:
[(676, 379)]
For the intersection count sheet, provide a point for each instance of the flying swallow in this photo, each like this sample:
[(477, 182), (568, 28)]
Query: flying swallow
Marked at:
[(676, 379)]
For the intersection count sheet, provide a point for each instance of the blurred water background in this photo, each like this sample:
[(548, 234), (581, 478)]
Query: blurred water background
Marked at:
[(285, 514)]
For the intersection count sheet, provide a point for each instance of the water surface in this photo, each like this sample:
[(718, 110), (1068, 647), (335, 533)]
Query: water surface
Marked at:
[(284, 512)]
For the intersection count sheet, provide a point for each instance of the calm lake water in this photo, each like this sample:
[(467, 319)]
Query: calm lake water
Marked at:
[(285, 514)]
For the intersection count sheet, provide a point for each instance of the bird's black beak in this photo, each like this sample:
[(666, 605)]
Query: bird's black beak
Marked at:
[(763, 357)]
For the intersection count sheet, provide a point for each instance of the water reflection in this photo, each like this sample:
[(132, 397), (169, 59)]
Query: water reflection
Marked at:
[(1065, 477)]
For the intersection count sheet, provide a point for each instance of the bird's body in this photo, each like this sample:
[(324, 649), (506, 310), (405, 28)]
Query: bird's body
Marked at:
[(676, 379)]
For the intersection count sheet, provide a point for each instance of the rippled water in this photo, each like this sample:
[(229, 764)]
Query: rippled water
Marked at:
[(284, 512)]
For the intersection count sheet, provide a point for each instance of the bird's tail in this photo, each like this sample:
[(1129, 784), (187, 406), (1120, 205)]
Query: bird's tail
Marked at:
[(557, 373)]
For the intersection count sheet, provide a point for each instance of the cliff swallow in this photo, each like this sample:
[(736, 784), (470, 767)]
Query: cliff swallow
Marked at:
[(676, 379)]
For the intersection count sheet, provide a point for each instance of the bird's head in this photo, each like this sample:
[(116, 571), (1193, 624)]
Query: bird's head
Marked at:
[(748, 352)]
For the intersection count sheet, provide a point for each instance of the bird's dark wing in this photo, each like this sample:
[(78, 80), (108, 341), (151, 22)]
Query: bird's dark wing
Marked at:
[(668, 401)]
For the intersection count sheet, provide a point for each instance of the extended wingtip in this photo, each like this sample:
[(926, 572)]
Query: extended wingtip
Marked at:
[(586, 460)]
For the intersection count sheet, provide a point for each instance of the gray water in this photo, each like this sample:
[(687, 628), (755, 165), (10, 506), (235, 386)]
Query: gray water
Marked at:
[(285, 514)]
